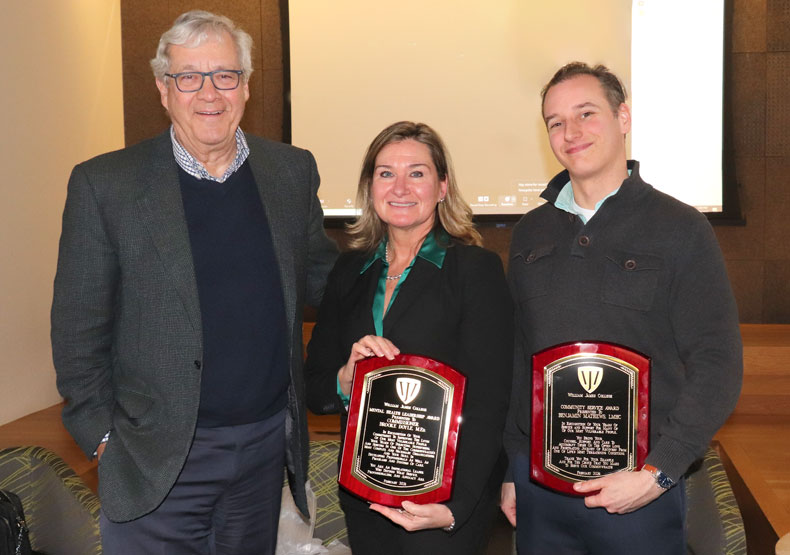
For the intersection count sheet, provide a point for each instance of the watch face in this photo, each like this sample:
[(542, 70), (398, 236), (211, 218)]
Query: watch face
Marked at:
[(663, 480)]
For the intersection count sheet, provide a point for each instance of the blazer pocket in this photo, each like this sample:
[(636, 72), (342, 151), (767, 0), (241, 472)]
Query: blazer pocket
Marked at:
[(133, 404), (630, 279), (531, 271)]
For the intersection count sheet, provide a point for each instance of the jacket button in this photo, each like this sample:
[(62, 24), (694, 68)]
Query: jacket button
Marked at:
[(630, 264), (531, 257), (197, 364), (584, 241)]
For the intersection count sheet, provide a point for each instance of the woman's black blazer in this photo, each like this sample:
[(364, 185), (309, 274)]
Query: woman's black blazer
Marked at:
[(462, 315)]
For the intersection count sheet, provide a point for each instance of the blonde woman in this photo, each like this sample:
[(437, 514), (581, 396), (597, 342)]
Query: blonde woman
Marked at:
[(417, 281)]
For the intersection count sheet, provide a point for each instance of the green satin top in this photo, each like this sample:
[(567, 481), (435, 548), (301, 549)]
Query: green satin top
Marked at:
[(431, 250)]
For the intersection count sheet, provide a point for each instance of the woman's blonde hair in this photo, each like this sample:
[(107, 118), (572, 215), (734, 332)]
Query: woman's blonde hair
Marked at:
[(454, 214)]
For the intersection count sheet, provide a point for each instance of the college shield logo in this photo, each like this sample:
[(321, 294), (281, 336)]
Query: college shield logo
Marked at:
[(408, 389), (590, 377)]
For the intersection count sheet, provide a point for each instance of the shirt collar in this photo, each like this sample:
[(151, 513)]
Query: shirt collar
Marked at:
[(190, 164), (431, 250), (566, 201)]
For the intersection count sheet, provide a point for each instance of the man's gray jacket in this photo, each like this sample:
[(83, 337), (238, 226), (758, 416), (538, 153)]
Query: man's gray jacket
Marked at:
[(126, 323)]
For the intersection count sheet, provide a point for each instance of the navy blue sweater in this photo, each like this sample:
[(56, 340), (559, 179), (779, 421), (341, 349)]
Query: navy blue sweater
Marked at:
[(245, 373)]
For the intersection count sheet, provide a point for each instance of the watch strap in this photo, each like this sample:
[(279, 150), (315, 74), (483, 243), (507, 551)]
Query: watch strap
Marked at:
[(662, 480)]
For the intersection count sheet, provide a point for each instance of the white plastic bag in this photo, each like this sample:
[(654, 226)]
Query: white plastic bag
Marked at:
[(295, 533)]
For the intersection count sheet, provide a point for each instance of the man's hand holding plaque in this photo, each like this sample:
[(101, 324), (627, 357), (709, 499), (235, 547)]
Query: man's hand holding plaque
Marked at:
[(402, 432), (620, 492), (590, 414)]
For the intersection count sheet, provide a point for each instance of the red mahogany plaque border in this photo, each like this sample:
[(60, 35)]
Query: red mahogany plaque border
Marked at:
[(351, 480), (539, 472)]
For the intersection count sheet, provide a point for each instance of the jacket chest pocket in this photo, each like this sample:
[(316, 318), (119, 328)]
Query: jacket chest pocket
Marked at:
[(631, 279), (531, 272)]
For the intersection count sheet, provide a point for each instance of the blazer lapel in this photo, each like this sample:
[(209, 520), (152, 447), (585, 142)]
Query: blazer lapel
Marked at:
[(417, 282), (361, 295), (162, 212), (268, 179)]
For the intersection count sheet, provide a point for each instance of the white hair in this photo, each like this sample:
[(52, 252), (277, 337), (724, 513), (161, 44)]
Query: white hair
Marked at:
[(193, 28)]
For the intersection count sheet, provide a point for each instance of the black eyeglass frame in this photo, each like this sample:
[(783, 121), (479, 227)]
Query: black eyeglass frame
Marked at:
[(204, 74)]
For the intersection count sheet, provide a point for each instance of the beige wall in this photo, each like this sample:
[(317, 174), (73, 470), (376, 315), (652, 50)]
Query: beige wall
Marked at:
[(61, 98)]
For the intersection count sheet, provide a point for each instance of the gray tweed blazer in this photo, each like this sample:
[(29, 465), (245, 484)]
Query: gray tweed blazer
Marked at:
[(126, 324)]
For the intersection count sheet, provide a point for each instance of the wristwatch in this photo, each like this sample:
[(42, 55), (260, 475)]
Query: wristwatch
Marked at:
[(662, 480)]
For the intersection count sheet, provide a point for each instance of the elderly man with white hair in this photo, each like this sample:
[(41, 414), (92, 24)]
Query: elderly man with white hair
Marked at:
[(185, 262)]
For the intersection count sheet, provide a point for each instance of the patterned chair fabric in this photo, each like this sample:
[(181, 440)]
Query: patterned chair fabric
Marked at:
[(62, 513), (713, 523), (330, 523)]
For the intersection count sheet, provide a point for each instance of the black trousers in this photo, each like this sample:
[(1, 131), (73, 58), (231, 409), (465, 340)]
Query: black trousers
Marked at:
[(225, 501), (549, 523)]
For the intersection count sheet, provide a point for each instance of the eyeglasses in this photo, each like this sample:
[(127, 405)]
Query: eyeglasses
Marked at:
[(192, 81)]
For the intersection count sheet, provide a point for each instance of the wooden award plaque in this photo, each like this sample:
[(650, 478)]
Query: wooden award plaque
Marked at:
[(402, 432), (590, 413)]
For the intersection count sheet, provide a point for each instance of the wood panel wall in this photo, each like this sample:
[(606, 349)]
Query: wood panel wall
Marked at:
[(144, 21)]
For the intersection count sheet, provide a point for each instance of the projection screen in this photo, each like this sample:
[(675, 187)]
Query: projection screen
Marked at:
[(474, 71)]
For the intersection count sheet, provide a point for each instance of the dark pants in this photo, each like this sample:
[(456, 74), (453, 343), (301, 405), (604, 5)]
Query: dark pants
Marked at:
[(226, 499), (550, 523)]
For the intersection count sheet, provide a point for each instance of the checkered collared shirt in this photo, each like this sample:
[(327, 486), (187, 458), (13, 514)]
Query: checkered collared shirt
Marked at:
[(194, 168)]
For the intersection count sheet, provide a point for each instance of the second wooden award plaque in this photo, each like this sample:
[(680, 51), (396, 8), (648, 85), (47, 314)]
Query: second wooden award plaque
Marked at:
[(590, 412)]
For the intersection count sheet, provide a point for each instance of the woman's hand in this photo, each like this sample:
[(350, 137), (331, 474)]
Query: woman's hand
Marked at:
[(368, 346), (415, 517)]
